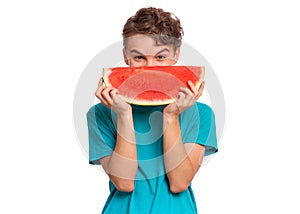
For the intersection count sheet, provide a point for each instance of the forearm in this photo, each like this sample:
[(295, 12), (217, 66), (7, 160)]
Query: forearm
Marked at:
[(178, 165), (122, 165)]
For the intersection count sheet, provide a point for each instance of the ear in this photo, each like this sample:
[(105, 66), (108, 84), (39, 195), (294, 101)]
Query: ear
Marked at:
[(176, 55), (125, 57)]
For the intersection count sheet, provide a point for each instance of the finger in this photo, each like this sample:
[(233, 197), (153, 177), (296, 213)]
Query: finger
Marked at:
[(100, 82), (99, 91), (192, 87), (189, 96), (201, 87), (180, 98), (105, 103), (113, 92), (186, 91), (100, 88), (106, 95), (98, 94), (200, 91), (113, 95)]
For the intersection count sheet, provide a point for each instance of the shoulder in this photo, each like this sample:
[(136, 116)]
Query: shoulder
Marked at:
[(203, 107), (99, 111), (98, 108), (200, 109)]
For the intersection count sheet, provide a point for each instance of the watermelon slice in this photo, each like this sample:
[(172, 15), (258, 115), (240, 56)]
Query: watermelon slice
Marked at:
[(152, 85)]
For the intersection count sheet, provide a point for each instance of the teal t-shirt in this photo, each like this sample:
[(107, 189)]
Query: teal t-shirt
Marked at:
[(151, 192)]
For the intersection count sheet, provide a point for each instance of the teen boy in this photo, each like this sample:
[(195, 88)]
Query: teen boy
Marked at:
[(151, 154)]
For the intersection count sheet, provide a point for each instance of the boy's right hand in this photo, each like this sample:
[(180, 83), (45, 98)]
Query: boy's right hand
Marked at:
[(109, 97)]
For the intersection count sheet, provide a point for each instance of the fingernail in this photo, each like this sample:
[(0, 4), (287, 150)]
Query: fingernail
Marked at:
[(101, 81)]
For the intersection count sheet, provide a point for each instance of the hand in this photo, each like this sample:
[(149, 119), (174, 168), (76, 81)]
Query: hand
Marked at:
[(186, 98), (109, 97)]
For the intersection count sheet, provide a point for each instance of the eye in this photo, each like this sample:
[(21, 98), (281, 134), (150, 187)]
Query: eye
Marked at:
[(160, 57), (138, 57)]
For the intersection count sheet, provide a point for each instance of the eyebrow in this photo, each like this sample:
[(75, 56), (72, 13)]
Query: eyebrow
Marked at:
[(135, 51)]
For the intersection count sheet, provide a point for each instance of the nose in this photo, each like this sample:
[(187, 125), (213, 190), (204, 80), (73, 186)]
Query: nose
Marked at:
[(149, 62)]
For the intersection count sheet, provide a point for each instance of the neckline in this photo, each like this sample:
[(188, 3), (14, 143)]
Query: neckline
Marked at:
[(147, 108)]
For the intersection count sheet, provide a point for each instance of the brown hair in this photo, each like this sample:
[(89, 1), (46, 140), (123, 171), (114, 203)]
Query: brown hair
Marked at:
[(157, 23)]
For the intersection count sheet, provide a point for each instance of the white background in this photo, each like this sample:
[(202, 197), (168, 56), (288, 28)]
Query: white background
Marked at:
[(253, 47)]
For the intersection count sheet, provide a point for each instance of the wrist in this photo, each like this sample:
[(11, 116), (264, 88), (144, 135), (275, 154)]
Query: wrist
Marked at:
[(125, 115), (171, 117), (125, 112), (171, 114)]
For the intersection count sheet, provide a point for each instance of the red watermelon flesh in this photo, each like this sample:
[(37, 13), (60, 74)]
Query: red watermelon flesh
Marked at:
[(152, 85)]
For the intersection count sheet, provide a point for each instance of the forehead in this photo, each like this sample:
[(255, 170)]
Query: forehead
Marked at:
[(145, 45)]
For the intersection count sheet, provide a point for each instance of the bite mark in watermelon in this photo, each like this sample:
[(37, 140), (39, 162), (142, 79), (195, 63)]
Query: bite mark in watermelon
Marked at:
[(152, 85)]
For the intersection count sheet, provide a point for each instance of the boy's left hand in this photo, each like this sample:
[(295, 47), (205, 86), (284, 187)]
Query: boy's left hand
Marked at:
[(186, 98)]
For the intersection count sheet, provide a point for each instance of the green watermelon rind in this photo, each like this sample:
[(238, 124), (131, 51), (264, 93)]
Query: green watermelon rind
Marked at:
[(105, 75)]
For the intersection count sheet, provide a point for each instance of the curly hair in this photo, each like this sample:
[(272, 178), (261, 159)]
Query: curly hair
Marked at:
[(163, 26)]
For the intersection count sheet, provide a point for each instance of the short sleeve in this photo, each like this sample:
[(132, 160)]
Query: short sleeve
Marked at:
[(101, 133), (198, 126)]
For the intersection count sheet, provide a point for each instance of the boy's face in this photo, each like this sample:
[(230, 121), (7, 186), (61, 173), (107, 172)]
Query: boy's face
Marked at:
[(142, 50)]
